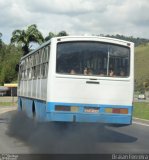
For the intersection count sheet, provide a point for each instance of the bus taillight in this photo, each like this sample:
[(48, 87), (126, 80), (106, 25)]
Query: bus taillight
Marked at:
[(123, 111), (120, 110), (117, 110), (66, 108)]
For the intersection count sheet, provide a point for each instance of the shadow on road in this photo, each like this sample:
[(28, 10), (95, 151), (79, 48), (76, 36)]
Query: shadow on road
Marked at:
[(65, 138)]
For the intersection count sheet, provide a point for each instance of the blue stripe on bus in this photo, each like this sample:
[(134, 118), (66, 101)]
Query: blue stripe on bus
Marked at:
[(81, 116), (63, 117), (46, 112)]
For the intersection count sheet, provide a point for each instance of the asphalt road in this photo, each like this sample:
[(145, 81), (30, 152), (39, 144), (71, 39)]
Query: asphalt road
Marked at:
[(9, 144), (19, 134)]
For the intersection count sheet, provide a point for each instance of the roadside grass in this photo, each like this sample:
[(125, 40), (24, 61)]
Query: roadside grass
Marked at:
[(141, 63), (8, 104), (141, 110)]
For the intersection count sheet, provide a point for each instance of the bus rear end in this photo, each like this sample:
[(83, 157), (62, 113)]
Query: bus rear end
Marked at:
[(91, 81)]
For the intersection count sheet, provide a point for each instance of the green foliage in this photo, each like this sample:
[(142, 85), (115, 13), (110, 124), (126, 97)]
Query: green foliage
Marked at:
[(10, 54), (0, 40), (51, 35), (3, 104), (62, 33), (141, 110), (141, 67), (25, 37), (137, 41), (9, 57)]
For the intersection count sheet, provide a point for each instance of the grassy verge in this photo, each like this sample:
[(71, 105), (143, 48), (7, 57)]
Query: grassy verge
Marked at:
[(141, 110), (8, 104)]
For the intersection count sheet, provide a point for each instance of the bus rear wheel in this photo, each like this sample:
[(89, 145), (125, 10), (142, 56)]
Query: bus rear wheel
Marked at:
[(20, 105), (33, 110)]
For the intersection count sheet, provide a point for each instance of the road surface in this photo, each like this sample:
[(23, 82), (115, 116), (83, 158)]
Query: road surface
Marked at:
[(9, 144), (19, 134)]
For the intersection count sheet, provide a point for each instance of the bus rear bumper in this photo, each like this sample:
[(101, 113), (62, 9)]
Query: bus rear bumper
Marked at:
[(94, 118)]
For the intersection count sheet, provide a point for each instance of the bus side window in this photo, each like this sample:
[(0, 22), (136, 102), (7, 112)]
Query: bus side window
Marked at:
[(43, 70), (38, 71)]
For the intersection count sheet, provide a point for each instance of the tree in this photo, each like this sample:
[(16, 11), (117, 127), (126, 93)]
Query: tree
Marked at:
[(62, 33), (0, 39), (50, 35), (9, 57), (26, 37)]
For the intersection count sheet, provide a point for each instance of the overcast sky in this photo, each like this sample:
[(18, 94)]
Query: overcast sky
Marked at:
[(76, 17)]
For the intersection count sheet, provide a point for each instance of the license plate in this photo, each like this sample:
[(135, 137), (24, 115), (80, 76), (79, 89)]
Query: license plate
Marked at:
[(91, 110)]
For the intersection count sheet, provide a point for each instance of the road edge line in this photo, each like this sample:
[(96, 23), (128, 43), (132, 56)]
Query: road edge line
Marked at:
[(135, 118), (140, 123)]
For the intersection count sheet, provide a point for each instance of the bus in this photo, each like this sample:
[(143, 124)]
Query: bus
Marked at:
[(78, 79)]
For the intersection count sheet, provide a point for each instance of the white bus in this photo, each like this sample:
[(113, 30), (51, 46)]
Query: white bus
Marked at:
[(78, 79)]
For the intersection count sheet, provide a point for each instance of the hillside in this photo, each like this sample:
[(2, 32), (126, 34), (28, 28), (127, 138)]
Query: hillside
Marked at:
[(142, 63), (137, 41)]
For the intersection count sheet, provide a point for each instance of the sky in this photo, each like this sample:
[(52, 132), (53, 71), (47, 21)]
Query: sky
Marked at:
[(76, 17)]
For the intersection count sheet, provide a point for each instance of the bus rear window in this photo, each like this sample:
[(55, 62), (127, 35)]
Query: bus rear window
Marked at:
[(93, 59)]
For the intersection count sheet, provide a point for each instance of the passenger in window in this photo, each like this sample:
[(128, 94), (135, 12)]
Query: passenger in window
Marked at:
[(111, 72), (102, 73), (122, 73), (88, 71), (72, 71), (85, 71)]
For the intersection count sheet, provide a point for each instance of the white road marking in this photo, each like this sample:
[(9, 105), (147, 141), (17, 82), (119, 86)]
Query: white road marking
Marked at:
[(140, 123), (6, 109), (140, 119)]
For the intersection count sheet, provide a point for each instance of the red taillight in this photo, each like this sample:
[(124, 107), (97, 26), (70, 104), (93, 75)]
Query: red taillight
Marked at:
[(115, 110), (123, 111), (120, 110)]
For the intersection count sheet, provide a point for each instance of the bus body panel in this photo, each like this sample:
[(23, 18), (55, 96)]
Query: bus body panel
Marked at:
[(80, 91)]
